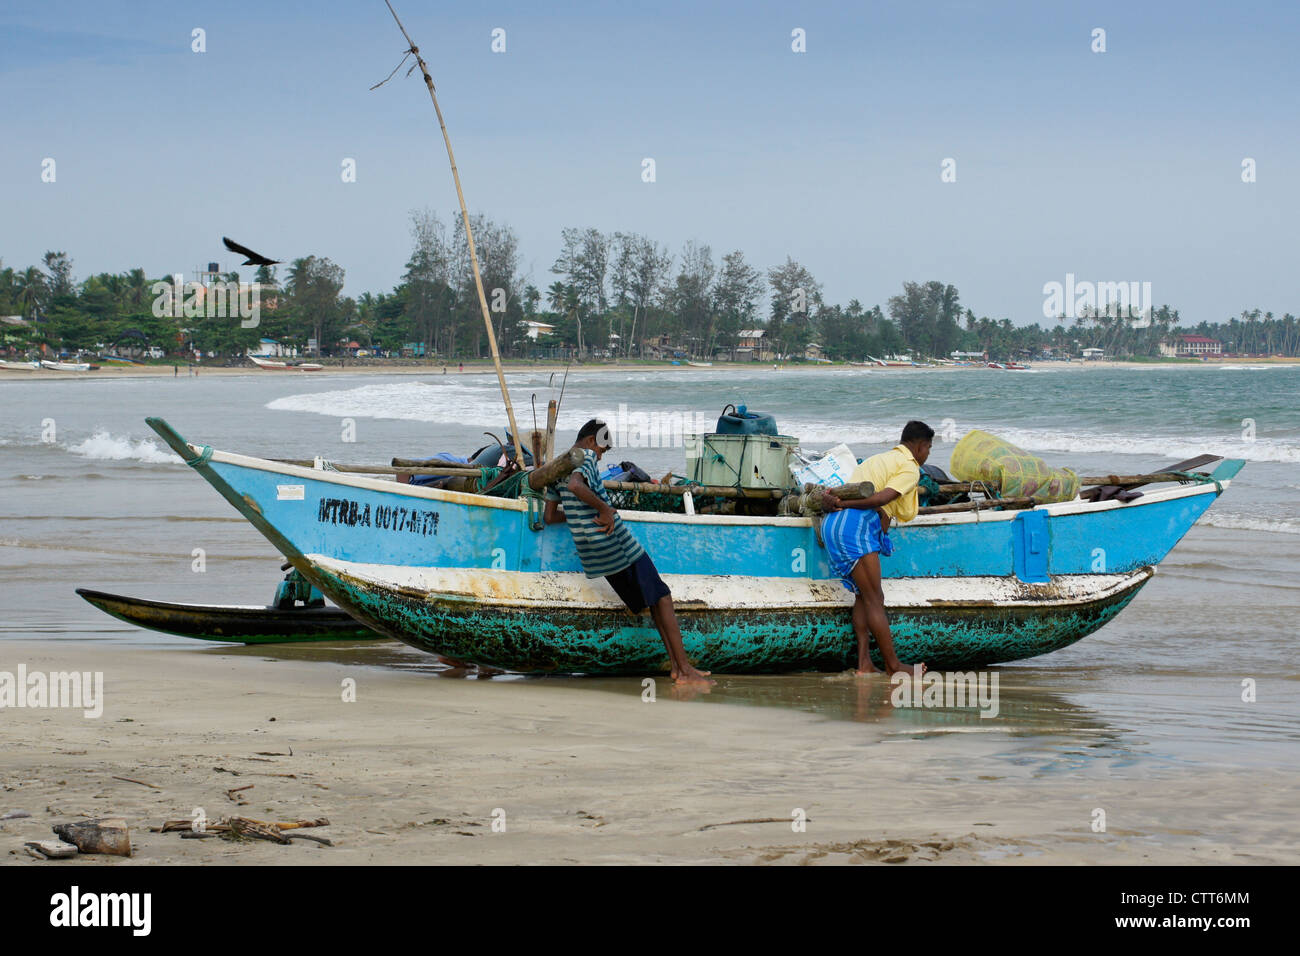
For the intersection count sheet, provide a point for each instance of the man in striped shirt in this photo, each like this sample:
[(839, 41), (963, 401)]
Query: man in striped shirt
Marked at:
[(607, 549)]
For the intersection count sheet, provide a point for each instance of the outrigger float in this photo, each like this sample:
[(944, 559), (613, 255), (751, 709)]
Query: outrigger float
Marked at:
[(233, 623), (480, 579)]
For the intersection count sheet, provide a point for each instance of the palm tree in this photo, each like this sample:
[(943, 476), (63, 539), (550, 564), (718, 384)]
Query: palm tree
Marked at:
[(33, 293), (564, 300)]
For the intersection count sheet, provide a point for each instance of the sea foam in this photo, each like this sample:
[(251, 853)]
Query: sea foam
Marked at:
[(103, 446), (1234, 522)]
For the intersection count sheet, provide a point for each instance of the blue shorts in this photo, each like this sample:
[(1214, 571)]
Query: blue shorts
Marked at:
[(638, 584), (850, 534)]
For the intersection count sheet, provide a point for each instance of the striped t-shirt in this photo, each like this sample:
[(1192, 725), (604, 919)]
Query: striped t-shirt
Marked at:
[(601, 554)]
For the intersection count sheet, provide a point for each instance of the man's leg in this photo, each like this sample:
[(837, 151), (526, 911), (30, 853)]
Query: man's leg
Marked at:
[(863, 634), (665, 618), (866, 575)]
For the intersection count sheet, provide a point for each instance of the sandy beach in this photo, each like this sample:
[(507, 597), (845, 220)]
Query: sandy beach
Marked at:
[(414, 770)]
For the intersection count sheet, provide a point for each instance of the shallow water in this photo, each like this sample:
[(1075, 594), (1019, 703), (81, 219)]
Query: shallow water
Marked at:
[(105, 505)]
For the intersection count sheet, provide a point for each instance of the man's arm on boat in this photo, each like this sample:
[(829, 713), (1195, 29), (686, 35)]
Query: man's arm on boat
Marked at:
[(604, 513), (878, 500), (554, 514)]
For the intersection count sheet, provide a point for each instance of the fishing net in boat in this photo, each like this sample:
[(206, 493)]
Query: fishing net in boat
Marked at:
[(1014, 472), (665, 502)]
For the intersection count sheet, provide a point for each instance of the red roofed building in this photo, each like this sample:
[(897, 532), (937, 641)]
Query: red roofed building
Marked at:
[(1191, 346)]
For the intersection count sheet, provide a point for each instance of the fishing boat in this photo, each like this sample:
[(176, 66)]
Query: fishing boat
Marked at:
[(890, 363), (273, 366), (482, 579), (68, 366), (700, 364), (20, 366), (234, 624)]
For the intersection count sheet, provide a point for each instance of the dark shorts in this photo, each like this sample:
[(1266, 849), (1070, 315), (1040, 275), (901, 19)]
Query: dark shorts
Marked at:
[(638, 584)]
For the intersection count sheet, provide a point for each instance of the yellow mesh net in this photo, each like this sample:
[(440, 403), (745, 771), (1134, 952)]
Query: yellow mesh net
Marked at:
[(980, 456)]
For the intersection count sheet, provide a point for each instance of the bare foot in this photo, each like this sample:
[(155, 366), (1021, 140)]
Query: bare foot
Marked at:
[(869, 671), (689, 675), (915, 670)]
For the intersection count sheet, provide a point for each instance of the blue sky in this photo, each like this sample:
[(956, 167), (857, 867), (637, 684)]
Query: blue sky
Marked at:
[(1115, 166)]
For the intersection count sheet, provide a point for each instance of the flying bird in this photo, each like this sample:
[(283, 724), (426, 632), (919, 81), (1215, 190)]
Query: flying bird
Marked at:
[(254, 258)]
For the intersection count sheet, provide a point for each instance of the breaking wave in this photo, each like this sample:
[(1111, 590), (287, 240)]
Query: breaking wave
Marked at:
[(1051, 440), (103, 446), (478, 402), (452, 403), (1246, 523)]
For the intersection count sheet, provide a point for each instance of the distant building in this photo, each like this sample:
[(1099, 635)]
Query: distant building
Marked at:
[(752, 344), (1191, 346), (537, 328), (1092, 355)]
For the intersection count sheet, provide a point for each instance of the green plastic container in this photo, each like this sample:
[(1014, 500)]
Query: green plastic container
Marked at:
[(740, 461)]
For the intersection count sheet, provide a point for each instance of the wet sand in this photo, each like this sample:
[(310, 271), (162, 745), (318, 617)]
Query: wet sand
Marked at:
[(586, 772)]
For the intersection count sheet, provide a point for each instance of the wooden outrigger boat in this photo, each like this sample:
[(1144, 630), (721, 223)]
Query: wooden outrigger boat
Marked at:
[(273, 366), (480, 579), (236, 624)]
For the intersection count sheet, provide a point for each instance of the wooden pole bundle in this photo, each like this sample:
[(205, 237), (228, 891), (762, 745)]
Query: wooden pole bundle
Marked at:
[(555, 469), (704, 491), (448, 471), (979, 505), (1118, 480), (469, 236)]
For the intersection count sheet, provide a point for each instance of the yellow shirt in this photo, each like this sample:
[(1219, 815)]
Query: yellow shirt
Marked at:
[(897, 469)]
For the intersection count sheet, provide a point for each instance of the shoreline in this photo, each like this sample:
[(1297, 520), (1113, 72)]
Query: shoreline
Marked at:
[(417, 769), (517, 367)]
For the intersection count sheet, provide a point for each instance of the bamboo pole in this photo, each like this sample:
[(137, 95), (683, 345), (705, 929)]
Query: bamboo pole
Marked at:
[(450, 471), (552, 416), (956, 487), (469, 236), (983, 504), (1088, 481), (704, 491)]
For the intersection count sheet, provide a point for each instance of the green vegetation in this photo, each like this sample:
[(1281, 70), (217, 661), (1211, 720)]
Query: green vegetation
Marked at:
[(617, 294)]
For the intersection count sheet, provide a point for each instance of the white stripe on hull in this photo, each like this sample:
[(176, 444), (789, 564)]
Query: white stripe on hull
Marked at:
[(562, 590)]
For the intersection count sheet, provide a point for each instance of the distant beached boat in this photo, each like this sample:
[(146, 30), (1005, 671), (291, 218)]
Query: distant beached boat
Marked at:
[(20, 366), (700, 364), (477, 578), (68, 366), (274, 366)]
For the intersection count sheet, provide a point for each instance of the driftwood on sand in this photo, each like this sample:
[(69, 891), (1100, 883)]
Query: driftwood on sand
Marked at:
[(246, 827), (50, 849), (108, 835)]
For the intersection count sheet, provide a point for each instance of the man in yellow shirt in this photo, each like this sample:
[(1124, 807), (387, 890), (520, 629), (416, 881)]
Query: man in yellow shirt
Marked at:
[(854, 532)]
